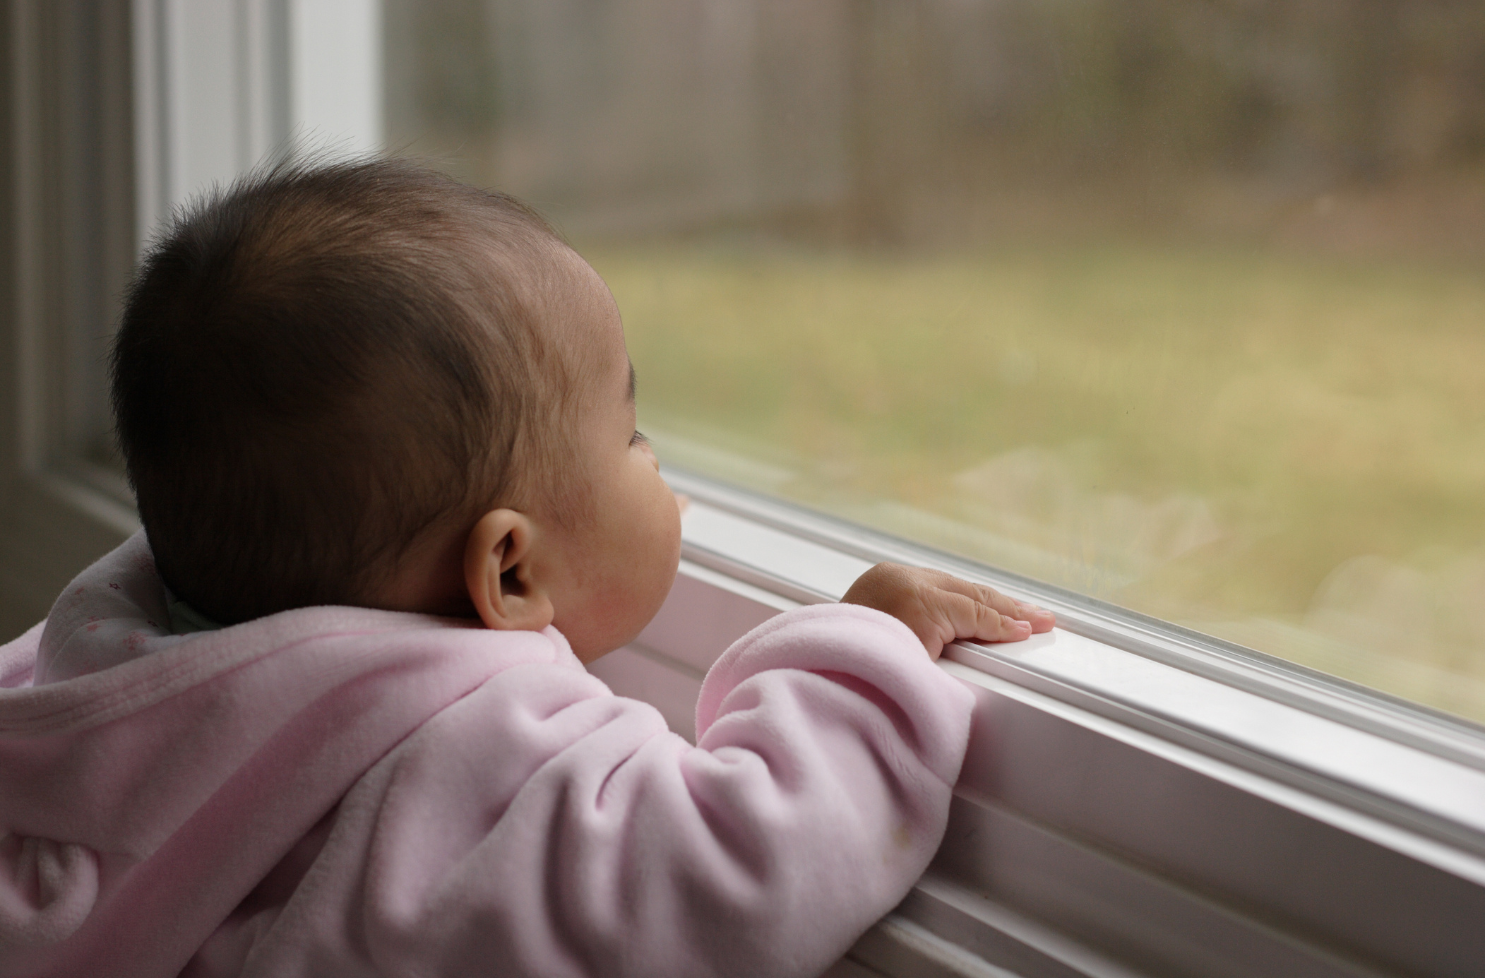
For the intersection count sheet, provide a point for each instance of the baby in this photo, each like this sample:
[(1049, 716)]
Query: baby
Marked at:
[(326, 714)]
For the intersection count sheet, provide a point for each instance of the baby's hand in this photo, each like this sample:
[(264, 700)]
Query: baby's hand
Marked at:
[(940, 608)]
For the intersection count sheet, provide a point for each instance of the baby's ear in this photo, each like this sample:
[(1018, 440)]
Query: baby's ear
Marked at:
[(498, 573)]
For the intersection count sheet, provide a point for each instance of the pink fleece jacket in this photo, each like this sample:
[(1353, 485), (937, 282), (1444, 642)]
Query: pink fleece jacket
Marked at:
[(340, 791)]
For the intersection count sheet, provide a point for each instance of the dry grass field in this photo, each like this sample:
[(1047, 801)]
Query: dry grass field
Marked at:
[(1283, 450)]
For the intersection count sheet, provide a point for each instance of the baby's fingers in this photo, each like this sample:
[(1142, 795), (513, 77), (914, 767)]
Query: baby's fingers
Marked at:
[(939, 607), (970, 617), (1040, 619)]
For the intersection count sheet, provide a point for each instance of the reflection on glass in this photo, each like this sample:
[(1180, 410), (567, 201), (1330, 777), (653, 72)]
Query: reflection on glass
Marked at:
[(1177, 303)]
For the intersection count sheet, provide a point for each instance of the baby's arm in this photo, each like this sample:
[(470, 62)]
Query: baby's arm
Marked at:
[(828, 746)]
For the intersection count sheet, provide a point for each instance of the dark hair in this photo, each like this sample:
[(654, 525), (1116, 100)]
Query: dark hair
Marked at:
[(315, 366)]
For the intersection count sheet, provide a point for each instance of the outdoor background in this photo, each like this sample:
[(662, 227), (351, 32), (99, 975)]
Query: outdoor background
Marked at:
[(1180, 303)]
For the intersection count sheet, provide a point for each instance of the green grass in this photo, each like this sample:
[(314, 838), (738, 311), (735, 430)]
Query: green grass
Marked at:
[(1214, 436)]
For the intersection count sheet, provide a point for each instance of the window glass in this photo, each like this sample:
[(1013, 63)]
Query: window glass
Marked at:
[(1177, 303)]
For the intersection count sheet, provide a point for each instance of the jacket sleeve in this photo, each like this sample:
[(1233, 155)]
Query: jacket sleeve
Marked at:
[(542, 826)]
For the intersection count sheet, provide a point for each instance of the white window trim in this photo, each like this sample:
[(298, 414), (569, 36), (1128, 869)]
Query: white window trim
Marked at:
[(1421, 766), (1206, 810), (223, 85)]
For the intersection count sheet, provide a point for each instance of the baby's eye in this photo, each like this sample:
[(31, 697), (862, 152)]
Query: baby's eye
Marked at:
[(638, 439)]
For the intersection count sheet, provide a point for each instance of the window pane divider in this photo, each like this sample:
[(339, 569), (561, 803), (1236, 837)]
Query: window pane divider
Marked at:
[(1431, 786), (1234, 665)]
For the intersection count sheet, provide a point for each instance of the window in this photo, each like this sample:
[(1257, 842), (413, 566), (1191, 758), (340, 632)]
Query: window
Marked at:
[(1171, 303), (1161, 313), (1166, 306)]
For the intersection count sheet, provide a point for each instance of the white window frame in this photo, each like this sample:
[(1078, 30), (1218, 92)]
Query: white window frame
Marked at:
[(224, 85), (1138, 799)]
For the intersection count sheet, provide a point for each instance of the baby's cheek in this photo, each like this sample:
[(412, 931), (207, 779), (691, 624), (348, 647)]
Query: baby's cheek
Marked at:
[(650, 571), (613, 620), (666, 545)]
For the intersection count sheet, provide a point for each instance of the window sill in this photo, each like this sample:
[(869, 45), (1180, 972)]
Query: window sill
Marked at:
[(1137, 798)]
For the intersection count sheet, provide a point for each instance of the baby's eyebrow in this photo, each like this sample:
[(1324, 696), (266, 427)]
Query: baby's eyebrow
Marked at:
[(631, 380)]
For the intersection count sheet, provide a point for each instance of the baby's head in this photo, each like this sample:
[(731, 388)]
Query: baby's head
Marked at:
[(367, 384)]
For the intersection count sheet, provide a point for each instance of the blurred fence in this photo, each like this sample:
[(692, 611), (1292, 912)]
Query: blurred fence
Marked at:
[(888, 117)]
